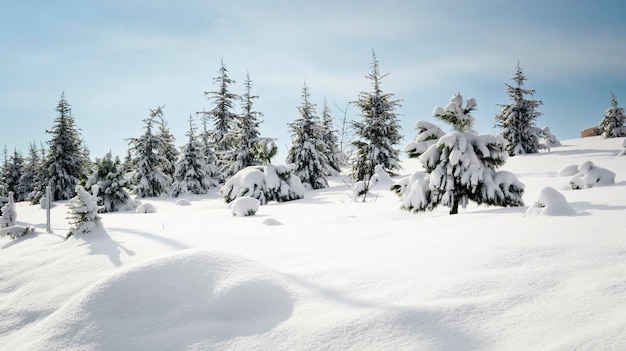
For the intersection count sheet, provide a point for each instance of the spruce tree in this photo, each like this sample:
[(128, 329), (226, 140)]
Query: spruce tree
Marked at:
[(193, 173), (29, 178), (148, 177), (222, 113), (169, 151), (379, 131), (517, 119), (112, 186), (65, 163), (243, 135), (13, 174), (612, 125), (461, 166), (335, 157), (83, 212), (307, 153)]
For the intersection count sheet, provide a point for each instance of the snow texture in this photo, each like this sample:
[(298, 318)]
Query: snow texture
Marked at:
[(550, 203), (145, 207), (169, 303), (591, 175), (244, 206)]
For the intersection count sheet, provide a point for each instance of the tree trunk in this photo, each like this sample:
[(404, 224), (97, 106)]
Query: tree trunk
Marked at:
[(455, 206)]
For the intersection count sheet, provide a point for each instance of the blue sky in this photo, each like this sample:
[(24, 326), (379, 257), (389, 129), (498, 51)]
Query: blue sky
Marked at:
[(117, 59)]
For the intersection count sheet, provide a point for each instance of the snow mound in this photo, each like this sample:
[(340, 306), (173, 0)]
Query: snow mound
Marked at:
[(145, 208), (568, 171), (591, 175), (244, 206), (167, 304), (182, 202), (381, 178), (550, 203), (16, 231)]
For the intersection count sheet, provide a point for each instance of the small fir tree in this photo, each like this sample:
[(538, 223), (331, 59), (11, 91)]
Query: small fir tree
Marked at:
[(148, 177), (222, 113), (9, 215), (518, 118), (169, 151), (243, 135), (307, 154), (336, 158), (108, 175), (461, 166), (379, 131), (65, 163), (29, 178), (193, 173), (14, 173), (612, 125), (83, 211)]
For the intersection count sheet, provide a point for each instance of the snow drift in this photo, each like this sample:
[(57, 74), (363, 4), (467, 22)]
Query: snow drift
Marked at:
[(166, 304)]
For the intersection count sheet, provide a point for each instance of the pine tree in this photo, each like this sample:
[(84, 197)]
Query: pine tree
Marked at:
[(13, 174), (83, 212), (308, 151), (148, 177), (205, 140), (379, 131), (335, 157), (243, 135), (169, 150), (65, 163), (461, 166), (109, 177), (30, 174), (612, 125), (222, 112), (193, 173), (517, 119)]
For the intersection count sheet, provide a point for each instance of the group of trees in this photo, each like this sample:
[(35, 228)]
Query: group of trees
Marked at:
[(461, 165)]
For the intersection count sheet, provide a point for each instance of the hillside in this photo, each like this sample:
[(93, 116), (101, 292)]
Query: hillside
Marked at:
[(326, 273)]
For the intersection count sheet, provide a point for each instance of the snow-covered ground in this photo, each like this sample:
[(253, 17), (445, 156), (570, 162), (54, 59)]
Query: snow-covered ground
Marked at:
[(326, 273)]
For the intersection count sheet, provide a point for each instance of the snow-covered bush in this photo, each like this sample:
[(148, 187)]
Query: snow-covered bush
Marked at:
[(461, 166), (244, 206), (549, 139), (83, 211), (16, 231), (427, 135), (145, 208), (9, 215), (550, 203), (265, 183), (591, 175), (568, 171)]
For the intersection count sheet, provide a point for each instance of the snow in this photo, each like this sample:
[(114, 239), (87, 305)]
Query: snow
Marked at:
[(591, 175), (327, 273), (145, 207), (244, 206), (550, 203)]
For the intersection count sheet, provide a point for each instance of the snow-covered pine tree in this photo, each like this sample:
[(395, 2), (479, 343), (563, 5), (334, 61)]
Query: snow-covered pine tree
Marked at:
[(169, 150), (336, 158), (378, 132), (517, 119), (243, 135), (612, 125), (192, 172), (307, 154), (9, 215), (461, 166), (13, 174), (222, 113), (29, 178), (265, 183), (65, 163), (205, 137), (83, 212), (147, 176), (427, 135), (108, 175)]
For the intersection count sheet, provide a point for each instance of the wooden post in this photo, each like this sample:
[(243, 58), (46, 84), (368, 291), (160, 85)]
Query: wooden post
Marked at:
[(48, 205)]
